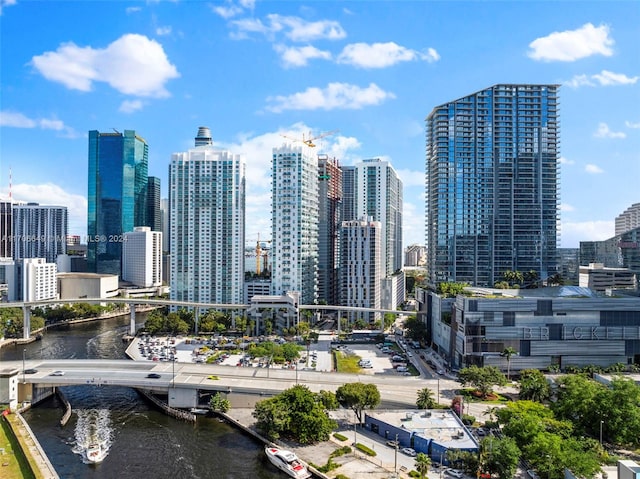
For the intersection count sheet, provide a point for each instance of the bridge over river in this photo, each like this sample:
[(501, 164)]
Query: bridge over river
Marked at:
[(188, 385)]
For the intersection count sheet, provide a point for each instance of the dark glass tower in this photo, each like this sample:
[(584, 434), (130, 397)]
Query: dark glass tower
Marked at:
[(492, 185), (117, 196), (154, 216)]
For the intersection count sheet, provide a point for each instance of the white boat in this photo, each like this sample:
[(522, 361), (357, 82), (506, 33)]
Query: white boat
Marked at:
[(287, 462), (95, 452)]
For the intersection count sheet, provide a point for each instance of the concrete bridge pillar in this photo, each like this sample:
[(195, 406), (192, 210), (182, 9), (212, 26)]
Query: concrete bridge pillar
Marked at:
[(132, 322), (26, 324)]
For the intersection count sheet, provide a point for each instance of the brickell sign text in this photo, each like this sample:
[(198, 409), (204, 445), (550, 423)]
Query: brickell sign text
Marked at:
[(541, 333)]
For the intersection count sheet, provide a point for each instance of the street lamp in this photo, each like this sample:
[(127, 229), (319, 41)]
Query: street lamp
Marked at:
[(601, 423), (24, 356), (395, 459)]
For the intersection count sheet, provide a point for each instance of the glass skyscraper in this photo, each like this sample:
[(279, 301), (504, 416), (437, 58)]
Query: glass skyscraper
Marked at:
[(117, 196), (492, 184)]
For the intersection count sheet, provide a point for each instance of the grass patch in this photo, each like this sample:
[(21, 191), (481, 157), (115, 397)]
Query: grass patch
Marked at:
[(14, 455), (339, 436), (472, 395), (346, 363)]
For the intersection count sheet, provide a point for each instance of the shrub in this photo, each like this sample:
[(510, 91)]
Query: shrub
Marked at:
[(340, 437), (366, 450)]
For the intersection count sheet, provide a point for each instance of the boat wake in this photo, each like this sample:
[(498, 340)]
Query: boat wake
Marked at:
[(93, 435)]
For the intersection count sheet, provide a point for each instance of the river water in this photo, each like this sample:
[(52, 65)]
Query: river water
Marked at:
[(142, 442)]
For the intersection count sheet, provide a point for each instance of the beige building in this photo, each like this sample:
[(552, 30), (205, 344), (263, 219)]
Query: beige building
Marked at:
[(599, 278), (87, 285)]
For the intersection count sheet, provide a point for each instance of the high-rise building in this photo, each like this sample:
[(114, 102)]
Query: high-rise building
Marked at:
[(142, 257), (492, 188), (628, 220), (117, 195), (6, 229), (206, 216), (164, 215), (154, 216), (38, 280), (361, 267), (39, 231), (294, 218), (379, 196), (330, 202), (348, 193)]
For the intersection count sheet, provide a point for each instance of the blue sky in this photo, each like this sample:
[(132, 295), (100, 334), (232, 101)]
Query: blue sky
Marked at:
[(253, 71)]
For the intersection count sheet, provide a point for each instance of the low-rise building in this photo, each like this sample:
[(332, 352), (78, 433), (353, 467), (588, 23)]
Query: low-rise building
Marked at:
[(87, 285), (432, 431), (547, 327)]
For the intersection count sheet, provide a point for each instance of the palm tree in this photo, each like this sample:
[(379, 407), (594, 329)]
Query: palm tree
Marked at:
[(425, 399), (422, 464), (507, 353)]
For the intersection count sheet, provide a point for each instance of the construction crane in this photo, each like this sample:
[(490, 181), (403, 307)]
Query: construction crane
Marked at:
[(259, 254), (309, 141)]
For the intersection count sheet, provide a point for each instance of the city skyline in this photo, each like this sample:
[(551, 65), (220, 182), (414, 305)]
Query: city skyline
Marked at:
[(254, 71)]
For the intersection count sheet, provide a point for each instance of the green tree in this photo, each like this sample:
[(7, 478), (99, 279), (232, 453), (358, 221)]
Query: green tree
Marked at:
[(500, 456), (451, 290), (513, 278), (507, 353), (358, 397), (422, 463), (290, 351), (482, 378), (415, 329), (534, 385), (218, 403), (426, 399), (296, 413)]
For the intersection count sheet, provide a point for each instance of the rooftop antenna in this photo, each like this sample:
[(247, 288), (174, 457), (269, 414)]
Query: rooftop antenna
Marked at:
[(10, 181)]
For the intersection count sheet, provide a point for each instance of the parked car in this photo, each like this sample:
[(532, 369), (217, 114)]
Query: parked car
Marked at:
[(454, 473), (409, 452), (392, 443)]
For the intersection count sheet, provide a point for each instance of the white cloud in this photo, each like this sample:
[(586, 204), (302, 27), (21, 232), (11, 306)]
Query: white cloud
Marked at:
[(130, 10), (6, 3), (162, 31), (593, 169), (133, 64), (382, 55), (578, 81), (604, 131), (566, 161), (607, 78), (604, 78), (571, 45), (341, 96), (299, 56), (629, 124), (231, 9), (566, 207), (574, 232), (413, 228), (294, 28), (411, 178), (129, 106), (18, 120), (51, 194)]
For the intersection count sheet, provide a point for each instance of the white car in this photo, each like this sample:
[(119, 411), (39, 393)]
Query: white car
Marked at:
[(454, 473), (57, 373), (409, 452)]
